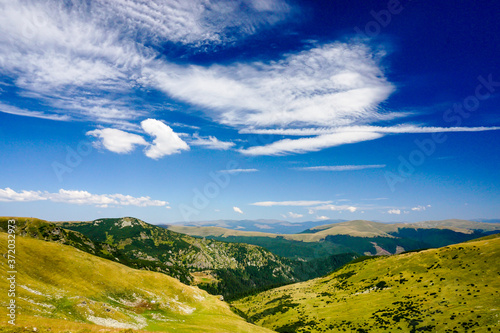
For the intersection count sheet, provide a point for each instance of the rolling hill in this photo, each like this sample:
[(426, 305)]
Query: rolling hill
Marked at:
[(222, 268), (450, 289), (63, 289)]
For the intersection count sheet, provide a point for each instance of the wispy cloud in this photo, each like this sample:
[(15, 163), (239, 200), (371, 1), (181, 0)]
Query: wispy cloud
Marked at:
[(326, 138), (197, 22), (341, 167), (335, 84), (27, 113), (289, 203), (339, 208), (394, 211), (236, 171), (304, 145), (80, 198), (237, 210), (322, 217), (210, 142)]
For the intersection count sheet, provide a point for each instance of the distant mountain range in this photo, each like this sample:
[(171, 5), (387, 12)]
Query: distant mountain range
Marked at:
[(359, 236), (285, 227), (262, 225)]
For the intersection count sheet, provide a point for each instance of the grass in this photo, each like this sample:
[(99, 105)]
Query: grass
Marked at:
[(62, 289), (451, 289)]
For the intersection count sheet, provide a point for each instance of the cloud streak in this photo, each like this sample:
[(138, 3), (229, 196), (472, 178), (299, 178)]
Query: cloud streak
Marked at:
[(236, 171), (341, 167), (400, 129), (210, 142), (5, 108), (304, 145), (289, 203)]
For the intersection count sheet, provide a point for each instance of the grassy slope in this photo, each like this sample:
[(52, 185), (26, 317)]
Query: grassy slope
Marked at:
[(48, 231), (62, 288), (451, 289)]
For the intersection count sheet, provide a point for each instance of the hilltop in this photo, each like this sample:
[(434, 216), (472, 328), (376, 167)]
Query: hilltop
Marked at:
[(450, 289), (62, 289)]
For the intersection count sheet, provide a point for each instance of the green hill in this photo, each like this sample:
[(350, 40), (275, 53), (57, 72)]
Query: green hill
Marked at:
[(450, 289), (62, 289)]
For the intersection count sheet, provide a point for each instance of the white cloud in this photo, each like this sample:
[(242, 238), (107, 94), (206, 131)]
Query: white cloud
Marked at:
[(9, 194), (118, 141), (339, 208), (420, 208), (303, 145), (210, 142), (289, 203), (236, 171), (336, 84), (341, 167), (294, 215), (322, 217), (80, 198), (166, 141), (237, 210), (394, 211)]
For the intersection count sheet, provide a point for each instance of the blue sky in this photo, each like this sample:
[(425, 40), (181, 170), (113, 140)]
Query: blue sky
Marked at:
[(297, 110)]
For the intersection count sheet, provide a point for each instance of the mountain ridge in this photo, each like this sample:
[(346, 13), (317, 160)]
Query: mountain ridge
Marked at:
[(223, 268)]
